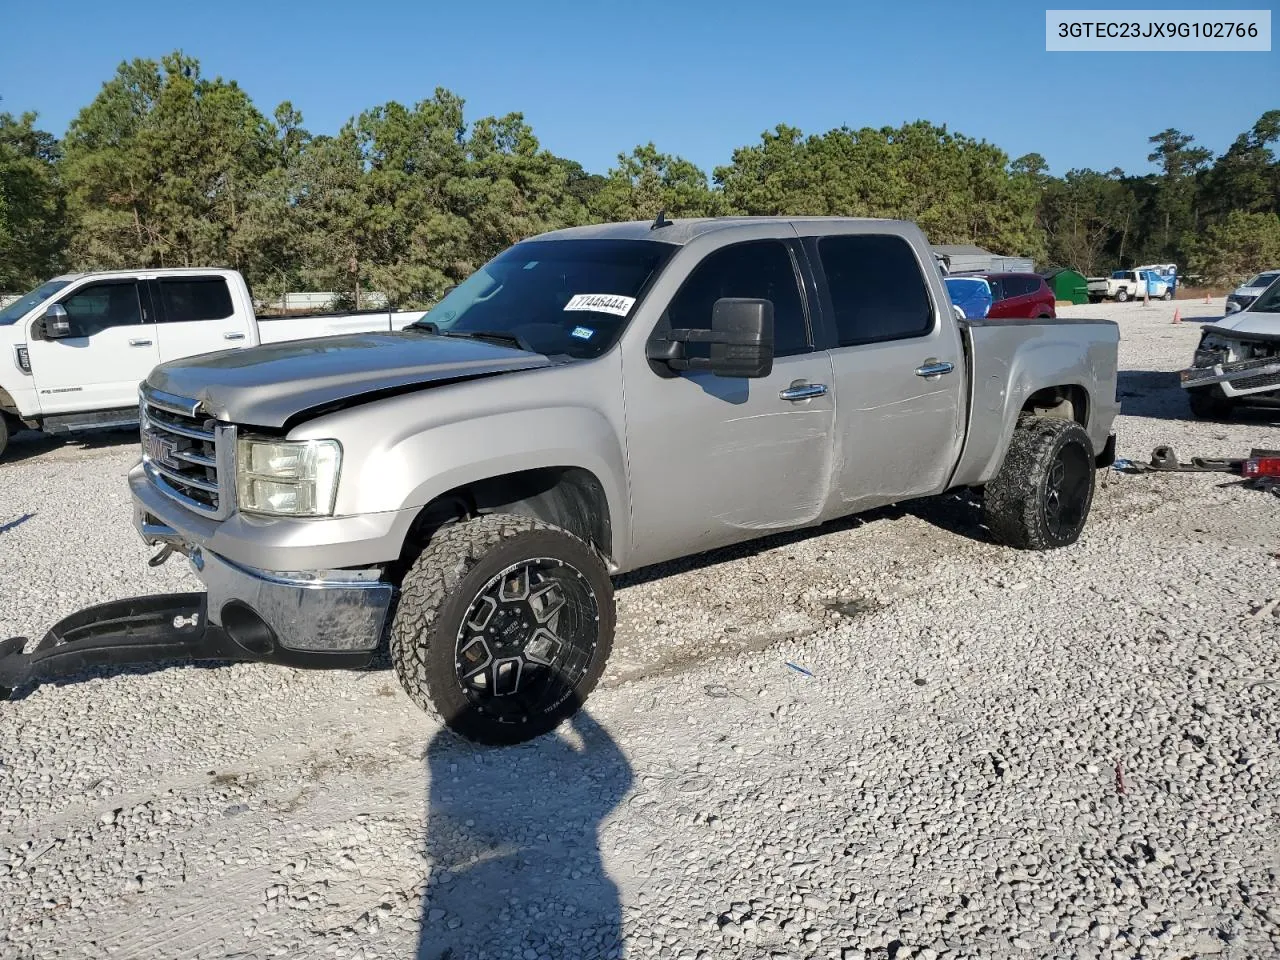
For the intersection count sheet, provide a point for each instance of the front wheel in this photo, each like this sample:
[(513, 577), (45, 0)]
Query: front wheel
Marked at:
[(1040, 498), (4, 434), (1167, 295), (503, 627), (1209, 403)]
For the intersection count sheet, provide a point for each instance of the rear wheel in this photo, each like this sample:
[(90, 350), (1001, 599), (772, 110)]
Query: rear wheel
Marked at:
[(1040, 498), (1208, 403), (1122, 296), (503, 627), (1167, 295)]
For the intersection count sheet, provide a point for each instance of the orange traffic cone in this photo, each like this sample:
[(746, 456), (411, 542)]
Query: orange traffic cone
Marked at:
[(1177, 315), (1206, 298)]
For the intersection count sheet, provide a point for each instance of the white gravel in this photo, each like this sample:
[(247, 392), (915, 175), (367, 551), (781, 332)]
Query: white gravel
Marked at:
[(997, 754)]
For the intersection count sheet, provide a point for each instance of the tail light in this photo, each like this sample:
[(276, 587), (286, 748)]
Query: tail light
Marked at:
[(1262, 467)]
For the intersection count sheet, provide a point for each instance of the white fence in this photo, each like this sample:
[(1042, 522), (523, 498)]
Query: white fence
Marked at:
[(317, 300)]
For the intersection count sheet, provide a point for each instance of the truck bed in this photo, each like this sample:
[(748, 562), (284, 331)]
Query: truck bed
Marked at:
[(280, 329), (1005, 356)]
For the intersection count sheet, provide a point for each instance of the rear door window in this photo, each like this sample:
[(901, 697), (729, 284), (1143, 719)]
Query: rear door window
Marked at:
[(186, 299), (877, 288)]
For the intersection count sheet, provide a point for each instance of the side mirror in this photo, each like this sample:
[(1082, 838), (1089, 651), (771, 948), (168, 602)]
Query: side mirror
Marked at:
[(1232, 307), (57, 325), (741, 338)]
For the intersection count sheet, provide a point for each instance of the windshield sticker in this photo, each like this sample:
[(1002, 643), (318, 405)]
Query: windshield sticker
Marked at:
[(582, 333), (601, 303)]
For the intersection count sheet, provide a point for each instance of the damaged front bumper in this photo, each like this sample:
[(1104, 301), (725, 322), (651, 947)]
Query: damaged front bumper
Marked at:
[(137, 631), (1243, 378), (316, 612), (316, 620)]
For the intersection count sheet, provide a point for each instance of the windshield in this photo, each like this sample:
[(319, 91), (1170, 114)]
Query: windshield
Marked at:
[(1269, 302), (16, 310), (1263, 280), (560, 297)]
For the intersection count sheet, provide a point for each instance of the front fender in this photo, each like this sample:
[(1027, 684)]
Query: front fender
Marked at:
[(460, 453), (402, 452)]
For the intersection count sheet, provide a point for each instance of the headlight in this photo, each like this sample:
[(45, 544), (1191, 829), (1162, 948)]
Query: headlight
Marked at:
[(284, 478)]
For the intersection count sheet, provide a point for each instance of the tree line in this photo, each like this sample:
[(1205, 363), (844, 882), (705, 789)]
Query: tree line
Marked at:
[(167, 167)]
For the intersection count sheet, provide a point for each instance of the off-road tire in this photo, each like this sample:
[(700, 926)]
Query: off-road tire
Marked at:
[(1123, 295), (437, 593), (1017, 503), (1207, 403)]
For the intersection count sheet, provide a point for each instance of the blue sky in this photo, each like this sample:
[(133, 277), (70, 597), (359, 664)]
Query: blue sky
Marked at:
[(697, 78)]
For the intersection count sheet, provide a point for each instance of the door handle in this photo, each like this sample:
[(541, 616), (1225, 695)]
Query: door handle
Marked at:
[(934, 368), (139, 343), (803, 391), (233, 336)]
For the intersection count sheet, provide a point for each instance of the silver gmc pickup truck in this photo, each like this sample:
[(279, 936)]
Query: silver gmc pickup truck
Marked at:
[(593, 400)]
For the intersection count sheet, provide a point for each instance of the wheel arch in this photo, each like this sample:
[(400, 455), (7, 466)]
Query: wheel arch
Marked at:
[(567, 496), (1066, 401)]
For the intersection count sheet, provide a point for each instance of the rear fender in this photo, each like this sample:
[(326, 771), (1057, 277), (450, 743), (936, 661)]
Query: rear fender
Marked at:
[(1012, 362)]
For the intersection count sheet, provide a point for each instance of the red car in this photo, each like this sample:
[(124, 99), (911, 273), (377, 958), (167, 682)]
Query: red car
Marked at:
[(1018, 296)]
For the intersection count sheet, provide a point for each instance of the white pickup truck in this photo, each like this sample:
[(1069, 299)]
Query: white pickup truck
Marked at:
[(73, 351), (1125, 285)]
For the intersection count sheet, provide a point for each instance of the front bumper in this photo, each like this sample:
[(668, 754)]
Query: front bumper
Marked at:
[(264, 612), (140, 630), (280, 543), (1240, 379)]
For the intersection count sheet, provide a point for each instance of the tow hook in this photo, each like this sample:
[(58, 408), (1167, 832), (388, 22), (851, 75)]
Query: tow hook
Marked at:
[(159, 559)]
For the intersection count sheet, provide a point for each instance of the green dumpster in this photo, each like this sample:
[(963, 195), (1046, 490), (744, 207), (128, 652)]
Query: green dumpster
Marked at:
[(1067, 285)]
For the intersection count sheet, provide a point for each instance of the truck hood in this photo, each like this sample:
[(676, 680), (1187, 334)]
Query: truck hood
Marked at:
[(270, 385), (1247, 322)]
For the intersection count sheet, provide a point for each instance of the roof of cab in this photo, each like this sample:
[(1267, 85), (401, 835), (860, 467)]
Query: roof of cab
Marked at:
[(682, 231), (148, 271)]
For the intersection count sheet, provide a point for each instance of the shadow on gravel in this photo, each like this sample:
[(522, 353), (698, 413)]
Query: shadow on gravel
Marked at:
[(512, 839), (1158, 394), (13, 524), (27, 445), (108, 672)]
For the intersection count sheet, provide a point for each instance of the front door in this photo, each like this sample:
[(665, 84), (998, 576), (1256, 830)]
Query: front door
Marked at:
[(111, 350), (715, 460), (898, 369)]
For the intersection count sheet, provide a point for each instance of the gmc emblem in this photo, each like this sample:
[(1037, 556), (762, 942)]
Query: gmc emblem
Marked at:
[(161, 450)]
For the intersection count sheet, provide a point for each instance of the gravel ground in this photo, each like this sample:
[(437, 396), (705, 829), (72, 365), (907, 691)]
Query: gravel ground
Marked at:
[(992, 754)]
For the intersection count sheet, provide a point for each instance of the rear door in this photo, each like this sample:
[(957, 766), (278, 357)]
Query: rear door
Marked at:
[(1001, 302), (1021, 297), (111, 349), (197, 315), (898, 369)]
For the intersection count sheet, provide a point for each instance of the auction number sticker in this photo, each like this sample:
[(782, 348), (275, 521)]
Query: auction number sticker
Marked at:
[(602, 303)]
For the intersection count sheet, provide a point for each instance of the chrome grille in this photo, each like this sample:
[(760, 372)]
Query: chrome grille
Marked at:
[(1253, 383), (185, 453)]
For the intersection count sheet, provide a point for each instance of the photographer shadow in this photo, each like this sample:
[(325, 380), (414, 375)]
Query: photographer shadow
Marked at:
[(512, 840)]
